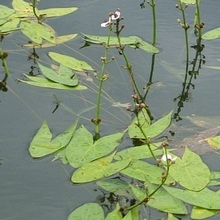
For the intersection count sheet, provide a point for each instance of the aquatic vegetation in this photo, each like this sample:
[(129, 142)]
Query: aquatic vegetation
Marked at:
[(147, 173)]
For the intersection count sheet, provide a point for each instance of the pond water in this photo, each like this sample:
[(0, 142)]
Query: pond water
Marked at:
[(39, 189)]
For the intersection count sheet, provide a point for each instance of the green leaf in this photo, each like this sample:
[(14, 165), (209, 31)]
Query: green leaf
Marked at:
[(145, 171), (194, 175), (205, 198), (58, 40), (88, 211), (45, 83), (141, 44), (160, 200), (139, 152), (189, 1), (116, 186), (214, 142), (55, 12), (9, 25), (23, 9), (115, 214), (98, 169), (37, 32), (201, 213), (211, 35), (42, 143), (151, 130), (64, 75), (82, 150), (128, 216), (132, 41), (70, 62), (5, 11)]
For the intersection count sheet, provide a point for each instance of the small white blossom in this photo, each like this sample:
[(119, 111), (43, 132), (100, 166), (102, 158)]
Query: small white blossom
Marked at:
[(165, 157), (112, 17)]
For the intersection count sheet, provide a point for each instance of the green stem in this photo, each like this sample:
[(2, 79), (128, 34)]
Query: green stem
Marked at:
[(101, 79), (3, 57), (154, 23), (147, 198)]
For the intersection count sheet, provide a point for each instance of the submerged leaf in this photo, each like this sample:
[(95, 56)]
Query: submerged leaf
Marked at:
[(116, 186), (98, 169), (88, 211), (64, 75), (70, 62), (194, 175), (82, 148), (214, 142), (42, 145)]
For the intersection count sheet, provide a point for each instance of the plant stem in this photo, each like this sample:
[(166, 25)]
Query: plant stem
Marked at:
[(3, 57), (101, 79), (153, 5)]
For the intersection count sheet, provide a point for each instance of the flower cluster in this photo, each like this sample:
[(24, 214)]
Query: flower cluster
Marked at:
[(112, 17)]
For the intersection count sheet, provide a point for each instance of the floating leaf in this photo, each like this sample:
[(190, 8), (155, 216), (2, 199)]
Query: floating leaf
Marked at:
[(5, 11), (37, 32), (115, 214), (23, 9), (143, 171), (132, 41), (211, 35), (98, 169), (82, 148), (188, 1), (138, 152), (214, 142), (55, 12), (43, 82), (58, 40), (141, 44), (151, 130), (9, 25), (63, 76), (205, 198), (201, 213), (70, 62), (42, 143), (194, 175), (88, 211), (160, 200)]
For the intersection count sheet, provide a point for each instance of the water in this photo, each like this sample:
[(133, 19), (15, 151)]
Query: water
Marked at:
[(39, 189)]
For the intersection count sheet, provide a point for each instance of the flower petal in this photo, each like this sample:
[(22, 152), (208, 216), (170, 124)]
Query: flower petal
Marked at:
[(116, 15), (105, 24)]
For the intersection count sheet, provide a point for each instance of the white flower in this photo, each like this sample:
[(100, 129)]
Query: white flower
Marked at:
[(165, 157), (112, 17)]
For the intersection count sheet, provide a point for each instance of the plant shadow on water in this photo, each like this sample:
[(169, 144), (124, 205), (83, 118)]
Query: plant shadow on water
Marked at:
[(100, 113)]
